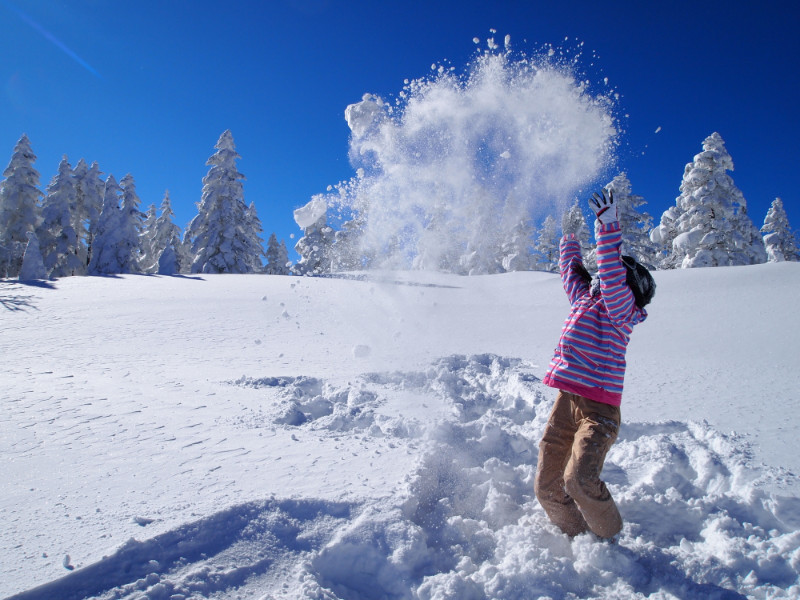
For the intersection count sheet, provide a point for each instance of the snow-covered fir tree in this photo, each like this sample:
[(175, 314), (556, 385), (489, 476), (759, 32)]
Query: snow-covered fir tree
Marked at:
[(131, 227), (277, 257), (284, 252), (663, 237), (80, 220), (546, 248), (19, 207), (573, 221), (251, 233), (635, 225), (89, 187), (104, 260), (59, 241), (779, 238), (185, 254), (88, 204), (705, 227), (225, 232), (148, 258), (164, 239), (516, 248), (748, 244), (314, 247), (32, 263)]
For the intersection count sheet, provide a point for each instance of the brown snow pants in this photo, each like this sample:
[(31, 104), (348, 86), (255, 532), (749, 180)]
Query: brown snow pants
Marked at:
[(577, 438)]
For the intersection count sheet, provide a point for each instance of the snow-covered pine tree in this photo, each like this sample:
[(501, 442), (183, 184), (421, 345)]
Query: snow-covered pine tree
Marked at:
[(19, 207), (277, 257), (131, 225), (314, 247), (185, 254), (255, 243), (166, 246), (59, 242), (748, 244), (547, 246), (284, 253), (703, 228), (573, 221), (779, 238), (88, 204), (635, 225), (223, 233), (32, 263), (104, 260), (89, 187), (663, 236), (148, 258), (516, 248)]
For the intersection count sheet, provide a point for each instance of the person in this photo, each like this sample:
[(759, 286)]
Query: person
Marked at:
[(588, 369)]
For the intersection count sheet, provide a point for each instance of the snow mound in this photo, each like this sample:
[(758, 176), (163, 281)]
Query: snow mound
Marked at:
[(464, 522), (325, 407)]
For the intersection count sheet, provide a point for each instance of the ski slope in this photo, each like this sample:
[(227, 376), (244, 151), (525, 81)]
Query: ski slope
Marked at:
[(375, 436)]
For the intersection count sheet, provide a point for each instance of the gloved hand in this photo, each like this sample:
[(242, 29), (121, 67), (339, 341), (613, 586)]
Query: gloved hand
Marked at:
[(604, 207)]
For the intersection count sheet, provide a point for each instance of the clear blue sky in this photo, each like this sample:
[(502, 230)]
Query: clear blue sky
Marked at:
[(147, 87)]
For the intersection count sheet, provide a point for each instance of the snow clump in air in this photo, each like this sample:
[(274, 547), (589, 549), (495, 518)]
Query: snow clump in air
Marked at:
[(311, 213), (460, 158)]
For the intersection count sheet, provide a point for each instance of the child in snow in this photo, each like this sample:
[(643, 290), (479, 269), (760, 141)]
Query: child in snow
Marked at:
[(588, 369)]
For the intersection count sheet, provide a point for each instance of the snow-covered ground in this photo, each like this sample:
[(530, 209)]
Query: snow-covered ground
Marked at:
[(375, 437)]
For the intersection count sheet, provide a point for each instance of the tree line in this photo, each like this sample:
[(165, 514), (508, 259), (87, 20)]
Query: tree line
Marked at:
[(84, 225), (709, 225)]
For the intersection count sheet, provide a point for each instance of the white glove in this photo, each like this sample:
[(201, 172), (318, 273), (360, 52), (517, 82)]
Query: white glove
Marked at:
[(605, 209)]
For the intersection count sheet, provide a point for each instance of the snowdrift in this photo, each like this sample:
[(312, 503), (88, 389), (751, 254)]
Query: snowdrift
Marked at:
[(275, 438)]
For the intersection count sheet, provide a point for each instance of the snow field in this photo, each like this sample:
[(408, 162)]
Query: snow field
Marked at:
[(467, 526), (181, 438)]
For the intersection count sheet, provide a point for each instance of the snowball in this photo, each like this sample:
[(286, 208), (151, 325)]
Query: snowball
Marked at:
[(362, 115), (311, 213)]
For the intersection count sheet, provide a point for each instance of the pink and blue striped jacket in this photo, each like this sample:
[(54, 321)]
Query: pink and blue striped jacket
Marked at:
[(590, 358)]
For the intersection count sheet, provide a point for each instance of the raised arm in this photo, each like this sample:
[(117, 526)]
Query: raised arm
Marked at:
[(570, 257), (617, 296)]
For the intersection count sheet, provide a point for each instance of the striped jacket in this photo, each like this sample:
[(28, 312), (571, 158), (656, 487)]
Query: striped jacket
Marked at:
[(590, 358)]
